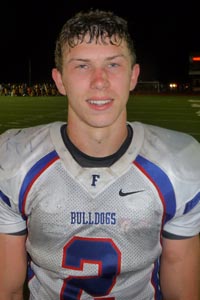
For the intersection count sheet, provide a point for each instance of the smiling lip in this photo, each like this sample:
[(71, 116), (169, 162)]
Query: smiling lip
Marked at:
[(99, 102)]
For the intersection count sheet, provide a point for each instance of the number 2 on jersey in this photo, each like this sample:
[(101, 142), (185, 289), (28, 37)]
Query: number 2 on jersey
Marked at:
[(99, 251)]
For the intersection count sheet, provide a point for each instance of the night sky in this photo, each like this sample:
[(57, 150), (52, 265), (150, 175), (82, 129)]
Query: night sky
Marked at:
[(164, 33)]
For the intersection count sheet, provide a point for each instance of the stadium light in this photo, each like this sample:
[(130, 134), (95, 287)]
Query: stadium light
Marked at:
[(196, 58), (173, 85)]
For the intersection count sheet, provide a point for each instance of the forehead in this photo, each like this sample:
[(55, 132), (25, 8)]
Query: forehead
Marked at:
[(97, 48)]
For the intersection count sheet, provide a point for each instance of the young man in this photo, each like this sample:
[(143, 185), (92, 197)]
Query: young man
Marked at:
[(104, 208)]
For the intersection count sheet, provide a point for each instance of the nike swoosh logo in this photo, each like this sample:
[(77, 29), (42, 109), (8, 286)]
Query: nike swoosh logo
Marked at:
[(121, 193)]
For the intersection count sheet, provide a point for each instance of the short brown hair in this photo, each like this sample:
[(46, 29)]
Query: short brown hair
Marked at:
[(99, 25)]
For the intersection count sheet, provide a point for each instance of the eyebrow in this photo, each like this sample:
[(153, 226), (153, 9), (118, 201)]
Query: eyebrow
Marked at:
[(87, 59)]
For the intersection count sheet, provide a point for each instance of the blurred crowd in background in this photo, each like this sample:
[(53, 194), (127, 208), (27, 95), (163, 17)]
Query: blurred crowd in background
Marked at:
[(39, 89)]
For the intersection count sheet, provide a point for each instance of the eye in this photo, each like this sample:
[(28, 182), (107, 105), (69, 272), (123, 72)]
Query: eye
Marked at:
[(113, 65), (82, 66)]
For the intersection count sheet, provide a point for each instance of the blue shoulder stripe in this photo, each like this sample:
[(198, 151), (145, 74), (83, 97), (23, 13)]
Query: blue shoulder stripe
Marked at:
[(192, 203), (32, 176), (162, 183), (5, 198)]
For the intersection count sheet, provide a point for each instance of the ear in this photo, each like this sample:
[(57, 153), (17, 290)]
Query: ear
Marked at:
[(57, 77), (134, 76)]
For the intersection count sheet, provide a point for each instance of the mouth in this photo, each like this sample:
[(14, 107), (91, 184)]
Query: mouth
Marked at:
[(99, 102)]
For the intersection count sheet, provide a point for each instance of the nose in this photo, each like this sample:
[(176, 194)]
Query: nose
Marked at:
[(99, 79)]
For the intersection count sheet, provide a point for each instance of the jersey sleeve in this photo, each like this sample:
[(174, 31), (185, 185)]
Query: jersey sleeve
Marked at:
[(11, 220), (20, 149), (186, 224), (177, 155), (185, 176)]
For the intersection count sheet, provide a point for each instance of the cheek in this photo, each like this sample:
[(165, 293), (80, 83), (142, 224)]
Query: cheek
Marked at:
[(122, 85), (74, 84), (75, 92)]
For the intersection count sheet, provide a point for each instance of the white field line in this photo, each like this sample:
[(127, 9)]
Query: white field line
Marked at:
[(193, 100), (195, 104)]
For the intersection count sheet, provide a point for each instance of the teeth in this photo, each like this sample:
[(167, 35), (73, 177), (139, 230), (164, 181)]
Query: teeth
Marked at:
[(99, 102)]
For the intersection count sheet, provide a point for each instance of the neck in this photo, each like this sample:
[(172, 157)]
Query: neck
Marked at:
[(97, 142)]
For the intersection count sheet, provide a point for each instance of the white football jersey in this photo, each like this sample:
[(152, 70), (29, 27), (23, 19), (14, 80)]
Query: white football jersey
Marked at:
[(96, 232)]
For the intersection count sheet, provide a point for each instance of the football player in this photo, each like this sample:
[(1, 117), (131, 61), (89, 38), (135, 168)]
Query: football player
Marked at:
[(98, 207)]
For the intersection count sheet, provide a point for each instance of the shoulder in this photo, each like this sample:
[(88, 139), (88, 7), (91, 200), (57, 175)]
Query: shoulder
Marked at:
[(164, 139), (172, 139), (176, 152), (20, 145)]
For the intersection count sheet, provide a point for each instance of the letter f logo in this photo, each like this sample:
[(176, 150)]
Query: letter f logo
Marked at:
[(95, 178)]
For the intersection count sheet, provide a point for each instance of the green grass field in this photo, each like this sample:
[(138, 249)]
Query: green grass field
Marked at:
[(176, 112)]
